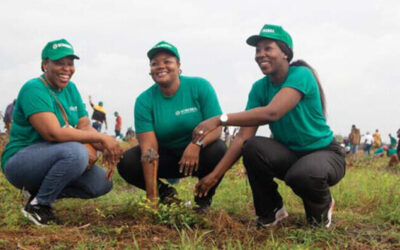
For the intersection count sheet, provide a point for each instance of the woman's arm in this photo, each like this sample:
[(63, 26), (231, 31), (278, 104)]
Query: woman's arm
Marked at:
[(84, 124), (148, 142), (285, 100), (47, 125), (189, 161), (212, 137), (230, 157)]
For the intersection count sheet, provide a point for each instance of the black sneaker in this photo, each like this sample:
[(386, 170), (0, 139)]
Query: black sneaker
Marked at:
[(167, 194), (324, 219), (329, 214), (41, 215), (276, 216), (203, 204)]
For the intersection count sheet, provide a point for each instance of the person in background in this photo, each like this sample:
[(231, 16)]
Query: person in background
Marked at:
[(130, 134), (380, 152), (355, 139), (165, 115), (118, 124), (398, 144), (45, 155), (302, 151), (393, 141), (98, 116), (8, 116), (368, 143), (227, 136), (377, 140)]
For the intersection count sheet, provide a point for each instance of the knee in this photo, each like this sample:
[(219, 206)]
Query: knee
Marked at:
[(249, 151), (129, 162), (103, 189), (77, 156), (304, 183), (296, 180), (77, 152), (216, 150)]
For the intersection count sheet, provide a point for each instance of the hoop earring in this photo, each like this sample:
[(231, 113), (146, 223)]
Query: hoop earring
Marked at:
[(180, 72)]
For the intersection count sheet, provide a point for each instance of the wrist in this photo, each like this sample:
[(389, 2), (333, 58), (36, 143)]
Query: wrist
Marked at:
[(198, 144), (215, 175), (223, 119)]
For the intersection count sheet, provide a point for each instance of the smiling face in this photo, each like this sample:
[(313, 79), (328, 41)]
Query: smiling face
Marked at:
[(270, 57), (164, 69), (59, 72)]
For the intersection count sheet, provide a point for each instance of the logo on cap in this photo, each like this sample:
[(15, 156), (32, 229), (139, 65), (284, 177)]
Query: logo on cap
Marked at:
[(268, 30), (56, 45), (164, 45)]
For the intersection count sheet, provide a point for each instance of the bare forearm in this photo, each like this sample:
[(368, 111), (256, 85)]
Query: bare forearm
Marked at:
[(148, 172), (253, 117), (149, 150), (212, 137), (71, 134), (231, 156)]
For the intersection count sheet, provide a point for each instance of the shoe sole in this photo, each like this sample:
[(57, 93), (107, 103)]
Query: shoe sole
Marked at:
[(31, 218), (279, 216), (330, 212)]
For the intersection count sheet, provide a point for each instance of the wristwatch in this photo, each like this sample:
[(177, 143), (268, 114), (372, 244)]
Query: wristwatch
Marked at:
[(223, 118), (199, 143)]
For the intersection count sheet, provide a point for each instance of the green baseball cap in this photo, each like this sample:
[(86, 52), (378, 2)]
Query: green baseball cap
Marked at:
[(271, 31), (58, 49), (163, 46), (100, 103)]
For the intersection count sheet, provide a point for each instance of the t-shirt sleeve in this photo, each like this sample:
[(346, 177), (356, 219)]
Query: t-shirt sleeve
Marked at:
[(255, 98), (143, 115), (79, 103), (302, 80), (208, 100), (34, 99)]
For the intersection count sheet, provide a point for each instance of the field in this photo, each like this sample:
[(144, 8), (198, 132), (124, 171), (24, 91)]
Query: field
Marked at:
[(366, 216)]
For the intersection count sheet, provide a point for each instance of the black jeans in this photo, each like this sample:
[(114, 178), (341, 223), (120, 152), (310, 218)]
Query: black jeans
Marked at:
[(309, 174), (130, 167)]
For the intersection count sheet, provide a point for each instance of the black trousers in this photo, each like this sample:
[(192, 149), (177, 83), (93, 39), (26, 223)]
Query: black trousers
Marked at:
[(130, 167), (309, 174)]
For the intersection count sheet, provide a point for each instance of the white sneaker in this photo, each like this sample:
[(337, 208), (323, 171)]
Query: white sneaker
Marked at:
[(329, 215), (280, 214)]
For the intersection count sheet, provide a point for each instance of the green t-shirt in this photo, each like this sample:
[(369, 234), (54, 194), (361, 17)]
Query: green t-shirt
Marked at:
[(379, 151), (174, 118), (391, 151), (393, 141), (304, 127), (35, 97)]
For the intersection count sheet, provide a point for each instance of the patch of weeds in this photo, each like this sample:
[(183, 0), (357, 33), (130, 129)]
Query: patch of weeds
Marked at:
[(176, 214), (60, 246)]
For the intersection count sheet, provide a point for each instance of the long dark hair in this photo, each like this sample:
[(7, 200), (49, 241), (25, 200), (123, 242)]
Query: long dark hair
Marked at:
[(289, 53)]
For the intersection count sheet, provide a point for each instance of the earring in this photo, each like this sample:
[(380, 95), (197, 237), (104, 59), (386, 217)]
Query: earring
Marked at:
[(180, 72), (149, 73)]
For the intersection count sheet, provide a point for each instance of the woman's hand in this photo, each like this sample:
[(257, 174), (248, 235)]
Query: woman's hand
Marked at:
[(112, 151), (190, 159), (204, 128), (205, 184)]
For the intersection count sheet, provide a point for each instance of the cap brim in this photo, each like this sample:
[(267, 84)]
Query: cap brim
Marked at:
[(155, 51), (58, 57), (253, 40)]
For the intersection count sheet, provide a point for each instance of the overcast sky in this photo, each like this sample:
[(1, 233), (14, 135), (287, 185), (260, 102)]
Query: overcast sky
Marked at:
[(353, 45)]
